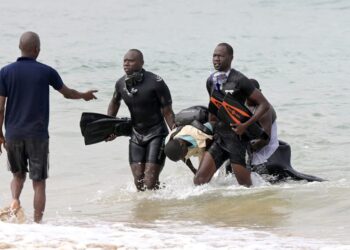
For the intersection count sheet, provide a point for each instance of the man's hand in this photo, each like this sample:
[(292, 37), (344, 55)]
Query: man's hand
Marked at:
[(239, 129), (111, 137), (2, 141), (257, 144), (254, 144), (89, 95)]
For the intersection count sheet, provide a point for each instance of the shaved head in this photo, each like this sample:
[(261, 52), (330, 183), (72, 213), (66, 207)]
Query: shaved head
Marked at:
[(228, 48), (29, 44), (138, 53), (133, 61)]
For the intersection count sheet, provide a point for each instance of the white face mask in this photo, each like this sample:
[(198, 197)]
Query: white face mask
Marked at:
[(219, 78)]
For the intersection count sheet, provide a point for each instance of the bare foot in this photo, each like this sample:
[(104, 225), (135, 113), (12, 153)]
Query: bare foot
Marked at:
[(13, 213), (15, 205)]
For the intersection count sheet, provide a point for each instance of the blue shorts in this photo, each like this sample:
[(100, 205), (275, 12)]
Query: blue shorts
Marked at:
[(32, 152)]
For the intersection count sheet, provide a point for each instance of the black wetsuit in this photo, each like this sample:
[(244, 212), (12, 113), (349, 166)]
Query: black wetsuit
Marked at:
[(145, 100), (227, 145)]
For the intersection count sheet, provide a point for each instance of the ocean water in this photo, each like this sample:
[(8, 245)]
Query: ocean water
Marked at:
[(298, 50)]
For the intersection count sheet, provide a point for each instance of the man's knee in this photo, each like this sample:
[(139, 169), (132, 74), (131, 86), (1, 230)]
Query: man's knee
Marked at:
[(137, 170), (138, 174), (151, 175), (20, 176), (242, 175), (206, 170), (200, 179), (39, 185)]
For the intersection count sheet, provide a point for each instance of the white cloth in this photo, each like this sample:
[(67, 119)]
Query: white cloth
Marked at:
[(219, 78), (261, 156), (197, 135)]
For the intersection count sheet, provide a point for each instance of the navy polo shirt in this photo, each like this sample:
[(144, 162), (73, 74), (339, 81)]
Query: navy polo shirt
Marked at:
[(25, 84)]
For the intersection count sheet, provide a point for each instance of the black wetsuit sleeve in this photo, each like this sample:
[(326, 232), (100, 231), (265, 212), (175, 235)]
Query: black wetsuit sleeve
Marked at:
[(163, 93)]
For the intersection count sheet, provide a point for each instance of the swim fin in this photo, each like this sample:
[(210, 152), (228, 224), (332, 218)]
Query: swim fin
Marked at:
[(88, 117), (215, 103), (279, 166), (97, 127), (233, 112)]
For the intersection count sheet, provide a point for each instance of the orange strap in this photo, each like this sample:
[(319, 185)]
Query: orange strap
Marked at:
[(234, 112), (216, 102)]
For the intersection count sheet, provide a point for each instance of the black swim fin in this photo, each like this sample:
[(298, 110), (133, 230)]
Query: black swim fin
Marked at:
[(279, 165), (215, 103), (97, 127), (88, 117), (300, 176), (233, 112)]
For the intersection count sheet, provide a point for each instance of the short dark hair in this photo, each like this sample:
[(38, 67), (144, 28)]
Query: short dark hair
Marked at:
[(255, 83), (138, 52), (173, 150), (228, 48)]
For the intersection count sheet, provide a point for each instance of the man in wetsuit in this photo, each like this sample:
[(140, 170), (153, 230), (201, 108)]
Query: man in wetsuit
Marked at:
[(24, 91), (229, 142), (149, 102)]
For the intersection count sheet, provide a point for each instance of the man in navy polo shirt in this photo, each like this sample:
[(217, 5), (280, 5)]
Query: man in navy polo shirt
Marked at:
[(24, 87)]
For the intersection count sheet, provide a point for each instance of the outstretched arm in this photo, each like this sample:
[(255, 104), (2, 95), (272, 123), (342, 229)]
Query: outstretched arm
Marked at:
[(2, 115), (169, 116), (74, 94)]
